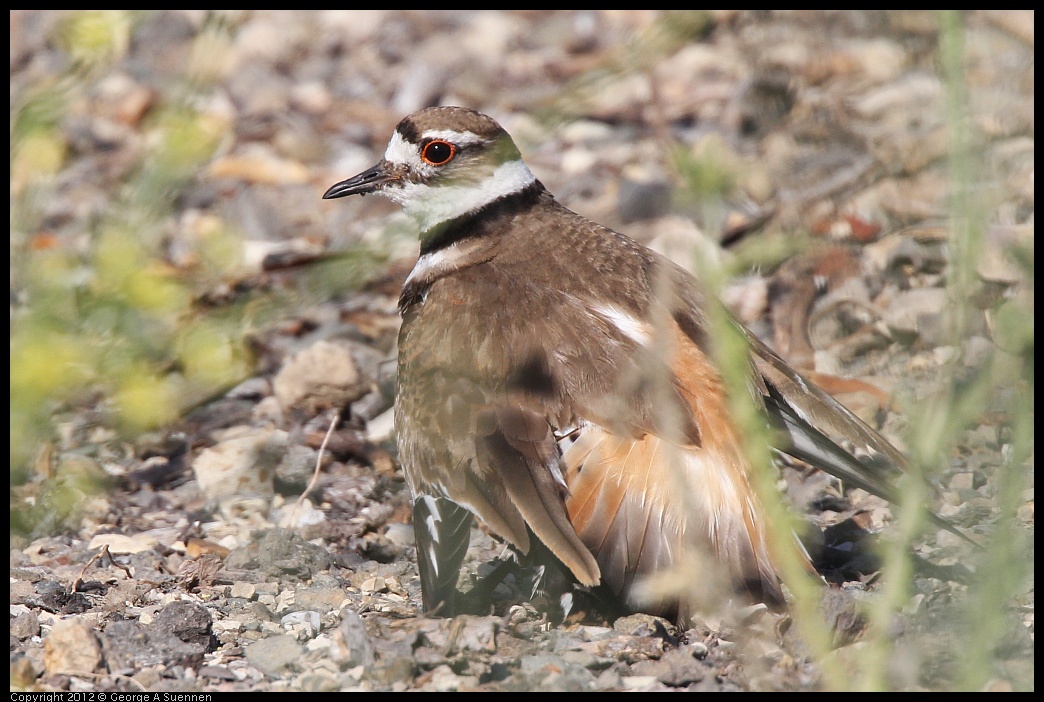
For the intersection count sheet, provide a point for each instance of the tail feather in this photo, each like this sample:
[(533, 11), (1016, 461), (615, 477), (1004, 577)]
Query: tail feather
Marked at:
[(443, 532)]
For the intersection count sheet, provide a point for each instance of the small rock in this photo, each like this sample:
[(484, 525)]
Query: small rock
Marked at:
[(272, 656), (641, 683), (279, 552), (443, 679), (400, 534), (356, 647), (148, 678), (878, 60), (321, 376), (996, 261), (216, 672), (586, 659), (296, 468), (476, 634), (625, 647), (188, 621), (976, 351), (309, 522), (260, 165), (72, 647), (23, 673), (642, 199), (552, 673), (261, 612), (915, 87), (642, 625), (120, 543), (227, 625), (321, 599), (679, 239), (608, 679), (676, 668), (907, 253), (392, 673), (25, 625), (319, 682), (304, 625), (747, 298), (312, 96), (120, 98), (944, 354), (373, 584), (243, 590), (240, 468), (917, 312), (698, 649)]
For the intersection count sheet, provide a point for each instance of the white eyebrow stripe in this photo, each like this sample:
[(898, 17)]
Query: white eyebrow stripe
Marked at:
[(453, 137), (402, 152), (633, 328)]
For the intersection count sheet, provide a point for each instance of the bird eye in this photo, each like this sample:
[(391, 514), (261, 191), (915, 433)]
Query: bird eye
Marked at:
[(438, 152)]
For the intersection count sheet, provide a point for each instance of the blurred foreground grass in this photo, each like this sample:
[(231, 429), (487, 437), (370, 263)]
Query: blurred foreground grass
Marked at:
[(968, 648), (109, 336), (99, 320)]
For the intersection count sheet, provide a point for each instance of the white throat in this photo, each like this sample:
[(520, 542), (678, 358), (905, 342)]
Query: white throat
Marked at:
[(431, 205)]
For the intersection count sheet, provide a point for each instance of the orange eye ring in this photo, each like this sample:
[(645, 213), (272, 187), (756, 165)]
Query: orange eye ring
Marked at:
[(438, 152)]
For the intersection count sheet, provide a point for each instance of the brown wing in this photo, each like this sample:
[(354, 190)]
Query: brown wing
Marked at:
[(496, 459), (470, 426), (525, 458)]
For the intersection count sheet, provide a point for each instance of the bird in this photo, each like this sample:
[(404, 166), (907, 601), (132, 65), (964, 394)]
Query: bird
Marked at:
[(556, 380)]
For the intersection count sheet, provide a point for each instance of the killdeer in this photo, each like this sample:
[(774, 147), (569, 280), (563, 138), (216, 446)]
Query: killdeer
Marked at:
[(532, 345)]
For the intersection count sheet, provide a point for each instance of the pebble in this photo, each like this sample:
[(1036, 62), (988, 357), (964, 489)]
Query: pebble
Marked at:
[(356, 647), (25, 625), (676, 668), (247, 591), (918, 313), (273, 655), (237, 472), (304, 625), (121, 543), (323, 375), (72, 647), (321, 599)]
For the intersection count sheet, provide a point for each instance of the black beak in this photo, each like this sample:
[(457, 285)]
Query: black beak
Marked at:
[(370, 180)]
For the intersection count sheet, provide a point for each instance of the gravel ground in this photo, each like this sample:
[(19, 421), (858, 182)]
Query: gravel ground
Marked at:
[(200, 571)]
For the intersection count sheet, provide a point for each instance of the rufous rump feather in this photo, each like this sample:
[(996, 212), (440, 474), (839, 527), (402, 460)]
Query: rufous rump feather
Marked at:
[(639, 503)]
